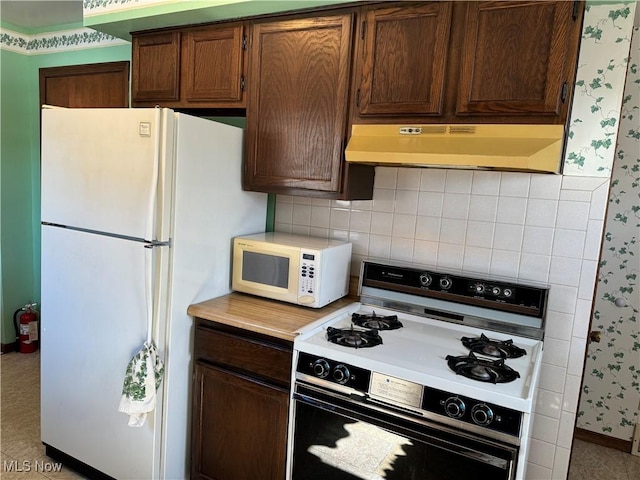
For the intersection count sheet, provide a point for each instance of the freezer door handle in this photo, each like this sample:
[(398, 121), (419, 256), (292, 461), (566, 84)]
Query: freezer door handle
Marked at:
[(155, 243)]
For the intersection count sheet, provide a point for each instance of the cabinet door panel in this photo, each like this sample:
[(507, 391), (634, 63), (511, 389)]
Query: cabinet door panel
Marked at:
[(404, 60), (212, 64), (516, 57), (241, 427), (156, 62), (297, 106)]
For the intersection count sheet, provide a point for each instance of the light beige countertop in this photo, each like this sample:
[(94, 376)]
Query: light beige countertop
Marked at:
[(269, 317)]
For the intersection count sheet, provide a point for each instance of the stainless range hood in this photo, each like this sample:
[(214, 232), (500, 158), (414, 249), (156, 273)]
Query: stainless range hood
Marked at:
[(527, 148)]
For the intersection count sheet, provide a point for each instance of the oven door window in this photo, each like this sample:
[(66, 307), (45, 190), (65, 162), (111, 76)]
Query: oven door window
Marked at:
[(338, 443)]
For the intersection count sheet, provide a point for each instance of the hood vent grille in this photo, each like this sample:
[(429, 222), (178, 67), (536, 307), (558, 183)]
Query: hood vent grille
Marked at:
[(455, 129), (527, 148)]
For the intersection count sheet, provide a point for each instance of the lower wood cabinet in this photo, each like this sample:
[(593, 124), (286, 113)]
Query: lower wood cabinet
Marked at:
[(240, 404)]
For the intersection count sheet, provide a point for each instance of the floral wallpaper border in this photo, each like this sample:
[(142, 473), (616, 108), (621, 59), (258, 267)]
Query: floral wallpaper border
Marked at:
[(56, 42), (100, 7), (611, 389), (596, 101)]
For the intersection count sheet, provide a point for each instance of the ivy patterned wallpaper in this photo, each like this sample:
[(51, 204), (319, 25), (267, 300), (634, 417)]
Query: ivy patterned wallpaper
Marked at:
[(96, 7), (611, 389), (606, 26), (55, 42)]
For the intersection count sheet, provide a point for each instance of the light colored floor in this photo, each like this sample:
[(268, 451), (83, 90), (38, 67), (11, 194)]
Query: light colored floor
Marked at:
[(21, 452), (21, 449)]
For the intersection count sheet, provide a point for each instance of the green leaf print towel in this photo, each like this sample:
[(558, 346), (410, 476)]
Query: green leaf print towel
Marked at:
[(142, 379)]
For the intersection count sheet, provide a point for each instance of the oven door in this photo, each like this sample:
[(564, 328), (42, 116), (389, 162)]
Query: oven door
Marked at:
[(338, 437)]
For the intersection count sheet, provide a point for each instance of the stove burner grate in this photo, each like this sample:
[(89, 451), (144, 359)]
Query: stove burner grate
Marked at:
[(493, 371), (350, 337), (493, 348), (378, 322)]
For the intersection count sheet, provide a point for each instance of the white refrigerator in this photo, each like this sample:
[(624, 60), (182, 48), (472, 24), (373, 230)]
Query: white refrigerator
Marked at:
[(139, 208)]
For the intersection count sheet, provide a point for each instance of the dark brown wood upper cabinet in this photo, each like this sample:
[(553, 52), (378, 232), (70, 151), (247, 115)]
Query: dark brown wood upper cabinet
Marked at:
[(155, 67), (404, 56), (198, 67), (212, 65), (297, 105), (518, 58)]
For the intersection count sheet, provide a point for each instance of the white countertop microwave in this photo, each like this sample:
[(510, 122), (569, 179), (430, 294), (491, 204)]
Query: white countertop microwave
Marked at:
[(307, 271)]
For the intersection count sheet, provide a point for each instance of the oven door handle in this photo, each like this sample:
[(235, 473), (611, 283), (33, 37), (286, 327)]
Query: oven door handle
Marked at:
[(358, 407)]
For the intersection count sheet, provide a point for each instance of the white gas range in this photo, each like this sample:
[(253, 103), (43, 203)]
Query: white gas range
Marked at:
[(396, 365)]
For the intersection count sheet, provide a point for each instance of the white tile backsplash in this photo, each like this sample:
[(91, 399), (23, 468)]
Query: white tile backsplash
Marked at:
[(450, 256), (542, 453), (477, 260), (386, 177), (430, 203), (556, 352), (508, 237), (408, 179), (515, 185), (381, 223), (545, 187), (572, 215), (511, 210), (406, 202), (404, 226), (428, 228), (384, 200), (458, 181), (340, 218), (537, 228), (401, 249), (565, 271), (568, 243), (486, 183), (321, 216), (453, 231), (538, 240), (545, 428), (431, 180), (360, 221), (483, 208), (541, 212), (455, 205), (480, 234)]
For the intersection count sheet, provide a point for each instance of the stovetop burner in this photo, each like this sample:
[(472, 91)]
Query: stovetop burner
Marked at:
[(378, 322), (484, 370), (493, 348), (351, 337)]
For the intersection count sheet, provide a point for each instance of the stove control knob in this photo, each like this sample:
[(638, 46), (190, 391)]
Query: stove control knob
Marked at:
[(321, 368), (454, 407), (496, 291), (482, 414), (507, 292), (445, 283), (479, 288), (425, 279), (341, 374)]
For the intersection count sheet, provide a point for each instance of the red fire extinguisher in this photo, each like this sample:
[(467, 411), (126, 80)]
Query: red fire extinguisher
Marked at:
[(26, 328)]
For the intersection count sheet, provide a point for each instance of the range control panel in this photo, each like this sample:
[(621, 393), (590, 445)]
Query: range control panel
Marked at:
[(496, 294)]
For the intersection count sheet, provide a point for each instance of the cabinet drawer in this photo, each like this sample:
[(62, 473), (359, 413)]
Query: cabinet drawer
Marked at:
[(254, 354)]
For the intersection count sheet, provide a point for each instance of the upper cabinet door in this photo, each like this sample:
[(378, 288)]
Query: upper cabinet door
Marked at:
[(297, 104), (156, 66), (212, 65), (518, 58), (404, 59)]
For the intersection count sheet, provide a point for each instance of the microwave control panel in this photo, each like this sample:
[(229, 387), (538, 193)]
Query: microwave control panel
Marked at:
[(307, 280)]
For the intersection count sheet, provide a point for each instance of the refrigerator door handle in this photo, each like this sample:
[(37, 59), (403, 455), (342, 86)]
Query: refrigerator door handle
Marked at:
[(156, 243)]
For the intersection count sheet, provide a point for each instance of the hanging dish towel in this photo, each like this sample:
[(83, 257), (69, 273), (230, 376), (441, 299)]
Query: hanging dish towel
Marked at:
[(142, 379)]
